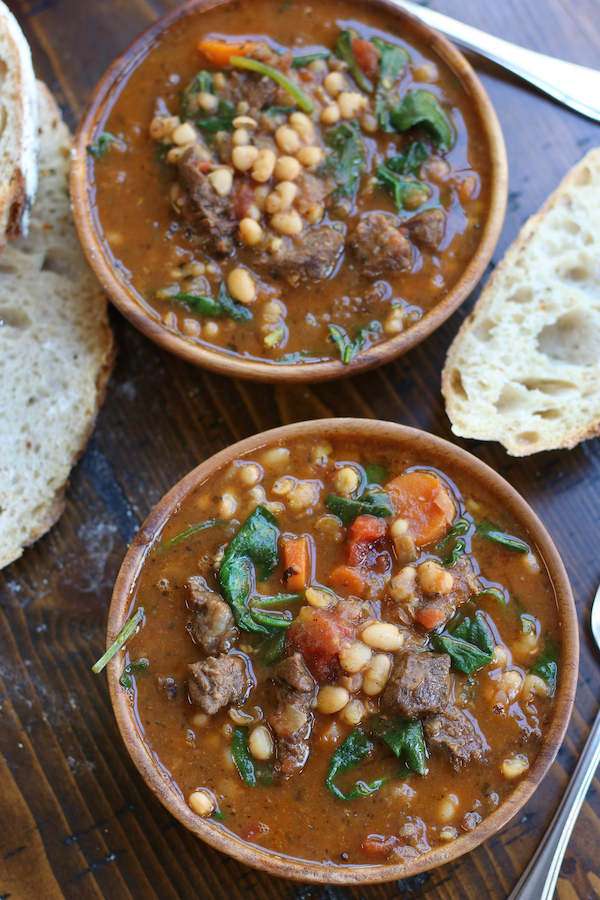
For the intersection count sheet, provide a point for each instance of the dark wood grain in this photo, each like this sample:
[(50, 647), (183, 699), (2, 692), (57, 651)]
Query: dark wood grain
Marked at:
[(76, 820)]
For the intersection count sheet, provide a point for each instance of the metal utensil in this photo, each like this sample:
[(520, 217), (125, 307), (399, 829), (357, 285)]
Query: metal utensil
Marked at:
[(539, 878), (576, 86)]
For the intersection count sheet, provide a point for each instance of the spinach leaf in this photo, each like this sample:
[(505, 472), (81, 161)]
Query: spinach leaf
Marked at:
[(138, 666), (392, 60), (469, 645), (405, 739), (343, 50), (492, 592), (409, 161), (353, 751), (241, 755), (451, 547), (272, 619), (182, 536), (160, 156), (304, 59), (371, 503), (527, 623), (201, 83), (224, 305), (105, 141), (348, 348), (407, 193), (280, 110), (260, 600), (493, 533), (271, 650), (376, 474), (422, 108), (252, 554), (223, 123), (346, 159), (547, 667)]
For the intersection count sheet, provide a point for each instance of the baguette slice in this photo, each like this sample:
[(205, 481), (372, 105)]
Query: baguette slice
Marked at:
[(524, 369), (18, 129), (56, 350)]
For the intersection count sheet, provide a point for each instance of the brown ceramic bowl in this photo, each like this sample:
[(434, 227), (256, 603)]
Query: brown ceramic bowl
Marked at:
[(434, 452), (90, 232)]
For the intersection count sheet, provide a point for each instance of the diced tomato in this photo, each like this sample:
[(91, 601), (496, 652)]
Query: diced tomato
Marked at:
[(363, 533), (430, 617), (296, 562), (348, 580), (318, 635), (425, 502), (367, 57), (378, 845), (242, 198)]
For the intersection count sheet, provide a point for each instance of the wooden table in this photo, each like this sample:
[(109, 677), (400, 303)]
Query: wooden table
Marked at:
[(76, 819)]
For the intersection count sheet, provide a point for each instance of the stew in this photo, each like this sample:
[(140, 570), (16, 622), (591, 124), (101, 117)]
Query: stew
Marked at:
[(346, 655), (290, 183)]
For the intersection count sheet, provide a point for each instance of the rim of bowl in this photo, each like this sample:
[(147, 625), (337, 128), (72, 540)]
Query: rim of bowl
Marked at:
[(279, 864), (256, 370)]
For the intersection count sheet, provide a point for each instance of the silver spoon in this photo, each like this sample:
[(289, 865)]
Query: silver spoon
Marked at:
[(576, 86), (539, 878)]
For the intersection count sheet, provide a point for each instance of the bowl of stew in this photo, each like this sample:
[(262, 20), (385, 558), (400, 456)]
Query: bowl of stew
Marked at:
[(350, 651), (282, 191)]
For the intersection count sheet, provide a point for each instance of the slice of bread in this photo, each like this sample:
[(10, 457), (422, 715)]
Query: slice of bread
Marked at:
[(524, 369), (56, 350), (18, 129)]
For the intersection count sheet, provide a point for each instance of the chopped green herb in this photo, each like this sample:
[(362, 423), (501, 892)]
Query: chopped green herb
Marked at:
[(493, 533), (547, 667), (202, 306), (343, 50), (161, 154), (346, 159), (372, 503), (184, 535), (241, 755), (353, 751), (348, 348), (127, 631), (293, 90), (407, 193), (392, 60), (223, 306), (201, 83), (297, 357), (469, 645), (137, 666), (527, 623), (219, 816), (253, 554), (376, 474), (280, 110), (405, 739), (305, 58), (100, 147), (273, 338), (423, 109)]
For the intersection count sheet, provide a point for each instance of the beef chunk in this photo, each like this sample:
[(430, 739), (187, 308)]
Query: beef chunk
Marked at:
[(453, 732), (258, 91), (209, 212), (419, 684), (291, 720), (310, 257), (211, 623), (217, 682), (380, 246), (427, 229)]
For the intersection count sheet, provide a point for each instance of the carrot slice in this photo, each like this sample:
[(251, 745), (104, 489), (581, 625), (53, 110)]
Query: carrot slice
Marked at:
[(348, 580), (425, 502), (296, 562), (429, 618), (363, 532), (219, 52)]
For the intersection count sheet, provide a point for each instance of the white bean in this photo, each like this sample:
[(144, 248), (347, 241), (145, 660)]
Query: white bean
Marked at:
[(515, 766), (251, 233), (383, 636), (263, 167), (309, 156), (332, 698), (376, 675), (287, 168), (185, 134), (287, 139), (288, 223), (241, 285), (222, 181), (346, 480), (260, 743), (354, 657), (243, 158), (318, 598), (201, 803)]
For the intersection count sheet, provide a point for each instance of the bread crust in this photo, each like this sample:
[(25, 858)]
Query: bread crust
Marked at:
[(555, 246)]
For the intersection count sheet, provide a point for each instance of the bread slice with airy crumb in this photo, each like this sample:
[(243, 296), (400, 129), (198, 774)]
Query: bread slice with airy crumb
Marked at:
[(524, 369), (18, 129), (56, 350)]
